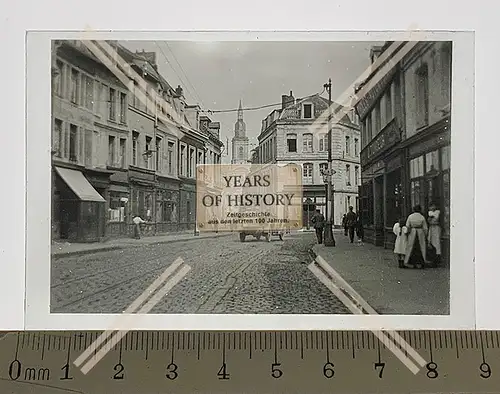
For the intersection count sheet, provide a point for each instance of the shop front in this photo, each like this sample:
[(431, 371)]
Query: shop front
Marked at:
[(313, 198), (118, 205), (428, 155), (143, 185), (79, 208), (187, 205), (380, 196), (167, 206)]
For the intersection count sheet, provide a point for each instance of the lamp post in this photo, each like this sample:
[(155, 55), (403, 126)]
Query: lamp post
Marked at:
[(329, 240)]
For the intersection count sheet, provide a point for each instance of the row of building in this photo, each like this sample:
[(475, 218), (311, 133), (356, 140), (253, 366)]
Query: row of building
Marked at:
[(122, 148), (390, 153)]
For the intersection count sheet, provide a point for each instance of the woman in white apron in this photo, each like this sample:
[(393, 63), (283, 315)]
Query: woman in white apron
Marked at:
[(417, 239), (434, 236)]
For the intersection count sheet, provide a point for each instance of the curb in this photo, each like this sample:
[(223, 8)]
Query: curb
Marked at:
[(343, 285), (56, 256)]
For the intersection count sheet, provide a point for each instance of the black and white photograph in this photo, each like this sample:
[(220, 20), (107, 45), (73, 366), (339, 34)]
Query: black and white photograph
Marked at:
[(365, 124)]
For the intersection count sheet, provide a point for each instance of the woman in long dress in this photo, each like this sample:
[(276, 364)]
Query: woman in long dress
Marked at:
[(417, 239), (400, 231), (434, 236)]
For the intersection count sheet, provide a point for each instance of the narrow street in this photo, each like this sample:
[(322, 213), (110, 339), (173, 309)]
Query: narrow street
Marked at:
[(226, 276)]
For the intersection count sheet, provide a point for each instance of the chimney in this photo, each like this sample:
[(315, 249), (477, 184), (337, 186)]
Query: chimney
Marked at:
[(179, 91), (286, 101)]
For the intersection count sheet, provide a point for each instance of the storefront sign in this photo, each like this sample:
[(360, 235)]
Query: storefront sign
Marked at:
[(249, 197), (387, 138)]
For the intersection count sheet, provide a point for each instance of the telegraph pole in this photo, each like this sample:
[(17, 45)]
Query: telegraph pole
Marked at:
[(329, 240)]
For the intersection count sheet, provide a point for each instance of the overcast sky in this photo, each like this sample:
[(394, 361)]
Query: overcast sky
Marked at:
[(217, 75)]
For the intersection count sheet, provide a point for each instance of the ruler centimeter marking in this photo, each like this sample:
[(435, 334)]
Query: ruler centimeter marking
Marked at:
[(285, 357)]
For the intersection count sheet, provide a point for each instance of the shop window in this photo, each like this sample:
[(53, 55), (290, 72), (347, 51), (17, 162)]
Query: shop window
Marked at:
[(432, 162), (394, 197), (116, 212), (416, 183), (366, 203), (416, 192)]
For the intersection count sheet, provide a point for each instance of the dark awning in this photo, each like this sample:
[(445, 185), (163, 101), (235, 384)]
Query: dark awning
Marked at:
[(77, 182)]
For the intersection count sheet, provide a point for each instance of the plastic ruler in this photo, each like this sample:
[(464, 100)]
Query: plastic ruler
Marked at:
[(250, 362)]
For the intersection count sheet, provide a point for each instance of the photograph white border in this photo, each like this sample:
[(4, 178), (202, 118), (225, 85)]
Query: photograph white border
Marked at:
[(462, 300)]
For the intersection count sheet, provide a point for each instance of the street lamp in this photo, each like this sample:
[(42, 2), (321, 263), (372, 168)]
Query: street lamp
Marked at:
[(329, 239)]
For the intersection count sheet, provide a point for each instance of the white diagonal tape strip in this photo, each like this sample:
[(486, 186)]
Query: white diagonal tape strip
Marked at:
[(361, 301), (131, 309), (145, 309), (330, 285)]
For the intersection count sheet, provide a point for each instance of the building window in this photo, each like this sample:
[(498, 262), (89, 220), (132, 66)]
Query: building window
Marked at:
[(307, 143), (323, 142), (356, 175), (356, 147), (112, 104), (348, 175), (291, 142), (307, 174), (347, 145), (147, 155), (191, 162), (170, 158), (88, 93), (123, 108), (307, 111), (111, 151), (73, 138), (322, 168), (369, 130), (446, 52), (388, 106), (58, 137), (88, 147), (59, 79), (376, 119), (75, 86), (158, 154), (183, 161), (422, 94), (135, 147), (240, 152), (123, 152)]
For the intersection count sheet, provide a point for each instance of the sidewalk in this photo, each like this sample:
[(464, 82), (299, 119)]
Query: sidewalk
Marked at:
[(373, 272), (60, 249)]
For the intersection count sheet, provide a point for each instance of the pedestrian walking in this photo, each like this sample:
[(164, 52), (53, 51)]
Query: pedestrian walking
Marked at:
[(434, 235), (351, 221), (137, 226), (344, 224), (401, 232), (318, 221), (416, 248)]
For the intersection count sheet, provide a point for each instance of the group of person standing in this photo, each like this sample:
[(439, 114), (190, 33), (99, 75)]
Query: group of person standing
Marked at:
[(418, 238), (351, 223)]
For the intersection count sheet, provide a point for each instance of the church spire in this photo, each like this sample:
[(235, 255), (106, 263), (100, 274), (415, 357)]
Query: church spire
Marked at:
[(240, 112)]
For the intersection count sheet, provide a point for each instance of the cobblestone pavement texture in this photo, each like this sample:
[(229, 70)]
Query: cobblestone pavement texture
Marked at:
[(227, 276), (373, 272)]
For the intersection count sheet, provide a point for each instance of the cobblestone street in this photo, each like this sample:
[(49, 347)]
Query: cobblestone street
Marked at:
[(227, 276)]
